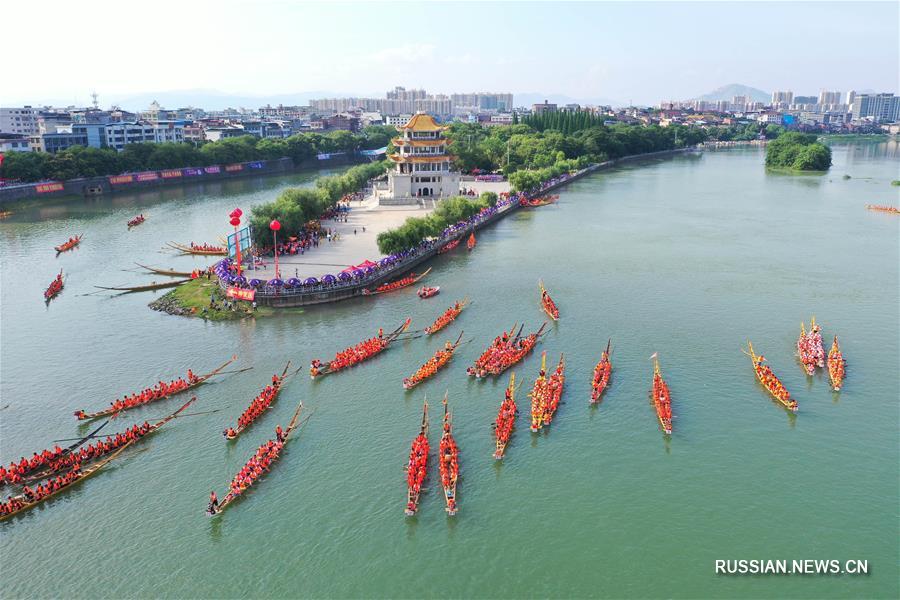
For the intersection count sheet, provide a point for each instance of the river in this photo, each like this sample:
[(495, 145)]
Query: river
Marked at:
[(688, 256)]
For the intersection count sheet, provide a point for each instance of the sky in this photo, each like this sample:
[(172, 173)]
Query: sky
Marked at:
[(641, 52)]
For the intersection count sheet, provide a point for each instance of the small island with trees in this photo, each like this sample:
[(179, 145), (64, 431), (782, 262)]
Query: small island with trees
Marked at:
[(797, 152)]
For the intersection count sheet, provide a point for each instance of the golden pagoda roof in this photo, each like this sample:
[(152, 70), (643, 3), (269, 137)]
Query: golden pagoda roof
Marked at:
[(422, 122)]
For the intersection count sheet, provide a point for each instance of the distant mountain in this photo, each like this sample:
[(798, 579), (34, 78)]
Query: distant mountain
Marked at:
[(727, 92), (529, 98)]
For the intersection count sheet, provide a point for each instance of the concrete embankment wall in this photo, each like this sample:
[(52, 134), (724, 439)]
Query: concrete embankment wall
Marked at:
[(152, 179)]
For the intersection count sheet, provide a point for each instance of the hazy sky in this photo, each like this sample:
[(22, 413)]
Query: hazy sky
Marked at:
[(638, 51)]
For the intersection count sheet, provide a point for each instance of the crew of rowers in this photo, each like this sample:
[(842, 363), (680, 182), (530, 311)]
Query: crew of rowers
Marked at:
[(443, 320), (549, 305), (55, 286), (836, 365), (59, 460), (204, 247), (554, 391), (811, 350), (70, 243), (448, 455), (506, 418), (257, 465), (440, 358), (257, 407), (137, 220), (416, 469), (159, 391), (772, 383), (539, 401), (662, 400), (388, 287), (504, 352), (601, 376), (353, 355), (39, 492)]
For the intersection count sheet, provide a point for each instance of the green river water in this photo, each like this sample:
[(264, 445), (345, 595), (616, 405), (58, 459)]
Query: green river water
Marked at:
[(687, 256)]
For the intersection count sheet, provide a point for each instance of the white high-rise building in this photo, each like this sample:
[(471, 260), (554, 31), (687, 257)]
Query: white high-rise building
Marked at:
[(21, 120), (782, 99)]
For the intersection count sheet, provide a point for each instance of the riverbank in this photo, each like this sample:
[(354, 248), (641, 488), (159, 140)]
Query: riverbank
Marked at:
[(203, 298)]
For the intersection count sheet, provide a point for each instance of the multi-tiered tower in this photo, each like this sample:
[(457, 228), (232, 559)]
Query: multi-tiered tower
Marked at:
[(422, 164)]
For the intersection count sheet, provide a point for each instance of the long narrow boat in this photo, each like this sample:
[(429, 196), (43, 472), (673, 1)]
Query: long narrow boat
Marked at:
[(169, 272), (55, 287), (145, 288), (247, 418), (268, 453), (5, 214), (68, 245), (433, 365), (888, 209), (204, 250), (809, 347), (555, 384), (767, 378), (19, 472), (192, 383), (448, 457), (836, 365), (355, 355), (540, 201), (662, 399), (506, 419), (539, 397), (398, 284), (470, 243), (602, 372), (417, 467), (517, 349), (22, 503), (449, 246), (447, 317), (548, 304)]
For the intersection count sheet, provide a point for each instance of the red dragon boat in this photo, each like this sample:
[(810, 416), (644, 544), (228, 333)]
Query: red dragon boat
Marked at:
[(447, 317), (54, 288), (662, 399), (69, 244), (448, 462), (357, 354), (506, 419), (602, 372), (548, 304), (417, 467)]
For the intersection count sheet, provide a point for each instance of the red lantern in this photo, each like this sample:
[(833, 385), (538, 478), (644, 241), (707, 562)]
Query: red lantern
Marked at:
[(235, 221), (275, 225), (238, 212)]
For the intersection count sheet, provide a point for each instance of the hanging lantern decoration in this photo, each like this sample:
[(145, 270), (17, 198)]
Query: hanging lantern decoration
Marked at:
[(275, 225)]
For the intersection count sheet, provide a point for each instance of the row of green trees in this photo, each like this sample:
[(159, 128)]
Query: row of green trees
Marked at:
[(564, 122), (80, 161), (742, 132), (798, 152), (448, 212), (295, 207)]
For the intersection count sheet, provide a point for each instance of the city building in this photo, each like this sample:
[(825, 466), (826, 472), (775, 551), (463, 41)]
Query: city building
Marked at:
[(546, 107), (15, 142), (879, 108), (397, 120), (829, 98), (422, 165), (782, 99), (21, 120)]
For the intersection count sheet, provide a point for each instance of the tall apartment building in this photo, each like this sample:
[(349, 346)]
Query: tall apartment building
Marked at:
[(21, 120), (881, 108), (785, 98), (829, 98)]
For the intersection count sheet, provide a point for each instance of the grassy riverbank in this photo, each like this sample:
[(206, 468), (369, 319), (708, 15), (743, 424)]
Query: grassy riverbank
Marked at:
[(193, 300)]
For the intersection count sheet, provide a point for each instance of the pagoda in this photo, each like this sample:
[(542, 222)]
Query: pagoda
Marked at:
[(422, 165)]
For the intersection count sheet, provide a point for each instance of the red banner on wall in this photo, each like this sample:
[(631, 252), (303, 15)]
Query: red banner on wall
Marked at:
[(240, 294), (230, 168), (43, 188), (148, 176), (121, 179)]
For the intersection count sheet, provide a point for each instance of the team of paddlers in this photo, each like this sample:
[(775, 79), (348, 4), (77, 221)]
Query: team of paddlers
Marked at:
[(546, 395), (602, 372), (505, 351), (258, 406), (55, 287), (204, 247), (445, 319), (506, 419), (396, 285), (351, 356), (448, 455), (549, 305), (809, 347), (887, 209), (257, 465), (137, 220), (836, 365), (662, 401), (68, 244), (416, 470), (39, 492), (157, 392), (767, 377), (434, 364)]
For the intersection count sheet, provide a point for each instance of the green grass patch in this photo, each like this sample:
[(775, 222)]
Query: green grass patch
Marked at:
[(192, 299)]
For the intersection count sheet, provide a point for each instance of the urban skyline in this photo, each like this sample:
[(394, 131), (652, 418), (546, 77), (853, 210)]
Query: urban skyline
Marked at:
[(588, 59)]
